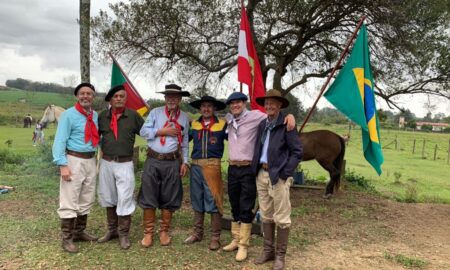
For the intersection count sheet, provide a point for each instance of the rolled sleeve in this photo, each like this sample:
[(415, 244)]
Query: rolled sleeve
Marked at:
[(60, 143), (148, 130)]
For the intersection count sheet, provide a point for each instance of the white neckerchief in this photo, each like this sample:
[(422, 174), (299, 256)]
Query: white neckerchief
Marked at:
[(234, 123)]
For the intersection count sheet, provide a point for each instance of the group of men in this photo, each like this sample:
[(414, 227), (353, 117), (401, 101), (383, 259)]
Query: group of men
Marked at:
[(264, 151)]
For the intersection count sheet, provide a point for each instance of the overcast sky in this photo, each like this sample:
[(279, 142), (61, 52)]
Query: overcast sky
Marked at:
[(39, 41)]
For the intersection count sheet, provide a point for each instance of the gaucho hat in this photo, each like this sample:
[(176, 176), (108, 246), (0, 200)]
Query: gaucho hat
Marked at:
[(217, 103), (275, 94), (174, 89)]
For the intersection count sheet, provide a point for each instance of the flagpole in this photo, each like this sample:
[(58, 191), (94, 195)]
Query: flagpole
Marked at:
[(344, 53), (128, 80)]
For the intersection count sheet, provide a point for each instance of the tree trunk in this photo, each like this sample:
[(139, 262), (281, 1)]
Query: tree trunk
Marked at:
[(85, 62)]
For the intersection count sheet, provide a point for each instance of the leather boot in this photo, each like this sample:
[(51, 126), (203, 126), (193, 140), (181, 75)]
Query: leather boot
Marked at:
[(79, 233), (268, 253), (244, 241), (197, 234), (112, 220), (124, 229), (67, 225), (216, 228), (282, 243), (149, 227), (235, 229), (164, 237)]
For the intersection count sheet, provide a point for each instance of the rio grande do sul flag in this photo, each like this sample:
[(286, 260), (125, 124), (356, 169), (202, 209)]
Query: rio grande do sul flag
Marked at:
[(249, 70), (352, 94), (134, 100)]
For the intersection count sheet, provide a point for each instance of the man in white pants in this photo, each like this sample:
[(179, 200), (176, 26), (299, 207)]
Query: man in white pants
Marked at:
[(118, 127), (74, 148)]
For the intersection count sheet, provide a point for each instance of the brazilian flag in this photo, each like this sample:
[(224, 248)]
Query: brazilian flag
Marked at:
[(352, 94)]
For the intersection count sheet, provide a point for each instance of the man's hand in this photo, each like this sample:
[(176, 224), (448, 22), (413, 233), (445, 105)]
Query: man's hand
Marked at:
[(168, 131), (183, 170), (289, 120), (65, 173)]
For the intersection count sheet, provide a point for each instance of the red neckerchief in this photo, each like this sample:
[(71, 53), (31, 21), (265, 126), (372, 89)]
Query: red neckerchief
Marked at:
[(90, 130), (204, 128), (173, 120), (113, 124)]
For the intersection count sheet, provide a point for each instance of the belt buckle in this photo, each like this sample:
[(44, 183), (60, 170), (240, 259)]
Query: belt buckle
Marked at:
[(115, 158), (160, 156)]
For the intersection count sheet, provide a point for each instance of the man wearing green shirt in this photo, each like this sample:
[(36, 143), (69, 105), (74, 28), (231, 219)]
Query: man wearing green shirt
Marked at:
[(118, 127)]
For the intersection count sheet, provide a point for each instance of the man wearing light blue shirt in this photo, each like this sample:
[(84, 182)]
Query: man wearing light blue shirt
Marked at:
[(74, 148), (167, 133)]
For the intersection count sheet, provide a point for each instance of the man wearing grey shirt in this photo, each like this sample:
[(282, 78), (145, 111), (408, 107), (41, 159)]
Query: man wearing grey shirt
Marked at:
[(167, 133)]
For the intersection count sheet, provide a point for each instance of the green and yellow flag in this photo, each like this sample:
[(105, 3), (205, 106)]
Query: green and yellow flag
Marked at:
[(352, 94)]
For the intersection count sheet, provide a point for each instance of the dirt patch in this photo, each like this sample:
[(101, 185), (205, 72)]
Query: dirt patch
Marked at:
[(357, 230)]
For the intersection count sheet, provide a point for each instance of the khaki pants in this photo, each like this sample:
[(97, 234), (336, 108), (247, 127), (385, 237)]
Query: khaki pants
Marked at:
[(274, 202), (77, 196)]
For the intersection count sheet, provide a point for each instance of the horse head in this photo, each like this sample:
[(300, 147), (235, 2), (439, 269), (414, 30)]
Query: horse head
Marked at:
[(49, 115)]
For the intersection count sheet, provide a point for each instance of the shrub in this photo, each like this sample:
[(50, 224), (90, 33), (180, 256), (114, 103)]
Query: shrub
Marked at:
[(10, 158), (358, 180), (411, 193)]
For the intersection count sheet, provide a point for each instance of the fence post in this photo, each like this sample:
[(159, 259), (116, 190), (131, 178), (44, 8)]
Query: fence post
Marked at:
[(396, 142), (435, 150), (448, 151), (423, 149), (414, 146)]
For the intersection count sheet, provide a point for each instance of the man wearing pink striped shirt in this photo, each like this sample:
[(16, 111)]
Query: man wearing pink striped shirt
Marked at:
[(242, 132)]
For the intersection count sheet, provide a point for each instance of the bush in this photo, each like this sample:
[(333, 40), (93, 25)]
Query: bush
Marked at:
[(358, 180), (10, 158)]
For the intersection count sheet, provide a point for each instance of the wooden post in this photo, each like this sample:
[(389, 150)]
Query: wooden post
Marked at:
[(414, 146), (448, 152), (396, 142), (435, 150), (423, 149)]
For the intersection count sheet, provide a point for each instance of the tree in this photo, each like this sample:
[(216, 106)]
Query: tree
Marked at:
[(296, 40), (85, 19)]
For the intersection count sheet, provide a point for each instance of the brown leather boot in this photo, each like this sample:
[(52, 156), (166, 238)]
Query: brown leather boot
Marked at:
[(79, 233), (149, 227), (112, 220), (268, 253), (164, 237), (197, 234), (282, 243), (124, 229), (216, 228), (235, 230), (67, 225)]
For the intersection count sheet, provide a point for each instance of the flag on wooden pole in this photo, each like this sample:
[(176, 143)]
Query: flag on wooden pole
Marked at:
[(249, 70), (352, 94)]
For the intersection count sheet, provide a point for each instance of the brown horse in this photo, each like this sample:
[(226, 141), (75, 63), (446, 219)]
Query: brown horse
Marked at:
[(328, 149)]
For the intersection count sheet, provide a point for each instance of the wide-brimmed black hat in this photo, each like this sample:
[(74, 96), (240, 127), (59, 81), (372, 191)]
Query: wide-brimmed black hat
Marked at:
[(114, 90), (83, 85), (275, 94), (174, 89), (217, 103)]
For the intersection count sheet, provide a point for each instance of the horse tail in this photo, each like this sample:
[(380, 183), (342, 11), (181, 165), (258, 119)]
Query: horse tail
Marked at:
[(338, 163)]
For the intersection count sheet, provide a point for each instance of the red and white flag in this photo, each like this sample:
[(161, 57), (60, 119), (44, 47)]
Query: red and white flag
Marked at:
[(249, 70)]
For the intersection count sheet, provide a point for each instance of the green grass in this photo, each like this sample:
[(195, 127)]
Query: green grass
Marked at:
[(430, 176), (412, 263)]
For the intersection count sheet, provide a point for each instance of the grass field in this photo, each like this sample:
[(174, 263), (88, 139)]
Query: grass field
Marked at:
[(403, 172)]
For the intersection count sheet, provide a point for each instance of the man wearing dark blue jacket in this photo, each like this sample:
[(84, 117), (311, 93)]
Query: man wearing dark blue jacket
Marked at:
[(277, 154)]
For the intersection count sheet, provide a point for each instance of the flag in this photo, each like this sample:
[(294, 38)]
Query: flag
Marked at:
[(352, 94), (249, 70), (134, 100)]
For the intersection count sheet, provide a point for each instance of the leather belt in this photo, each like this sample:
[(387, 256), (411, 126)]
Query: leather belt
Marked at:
[(240, 163), (163, 156), (118, 158), (206, 161), (85, 155), (265, 166)]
